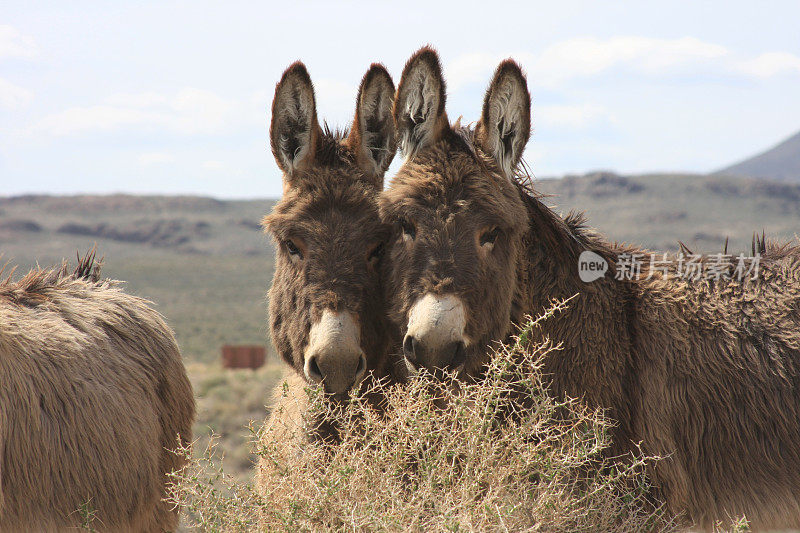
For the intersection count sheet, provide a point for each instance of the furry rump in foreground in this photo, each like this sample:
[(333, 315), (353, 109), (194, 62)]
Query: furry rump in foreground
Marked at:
[(93, 399)]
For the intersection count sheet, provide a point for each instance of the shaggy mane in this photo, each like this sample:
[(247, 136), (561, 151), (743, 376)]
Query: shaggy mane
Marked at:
[(574, 225), (331, 152), (30, 286), (773, 250)]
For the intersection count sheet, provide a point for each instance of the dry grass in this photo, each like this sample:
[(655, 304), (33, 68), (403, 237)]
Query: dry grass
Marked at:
[(496, 455), (227, 402)]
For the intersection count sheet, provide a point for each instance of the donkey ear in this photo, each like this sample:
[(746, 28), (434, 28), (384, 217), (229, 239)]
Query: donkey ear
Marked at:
[(373, 137), (505, 124), (419, 105), (294, 129)]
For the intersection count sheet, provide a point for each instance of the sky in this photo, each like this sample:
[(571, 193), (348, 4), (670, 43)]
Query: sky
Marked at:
[(173, 97)]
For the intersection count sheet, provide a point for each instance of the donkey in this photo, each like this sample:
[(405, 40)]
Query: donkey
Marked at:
[(703, 372), (94, 398), (327, 315)]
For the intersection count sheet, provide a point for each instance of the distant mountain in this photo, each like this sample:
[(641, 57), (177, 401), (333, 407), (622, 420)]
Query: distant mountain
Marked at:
[(781, 162)]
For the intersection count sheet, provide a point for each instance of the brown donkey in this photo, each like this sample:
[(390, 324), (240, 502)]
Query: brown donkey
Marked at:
[(705, 373), (93, 398), (327, 314)]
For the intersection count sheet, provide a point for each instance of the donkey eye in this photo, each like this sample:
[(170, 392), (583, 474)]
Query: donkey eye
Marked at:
[(490, 236), (293, 250), (376, 253), (409, 231)]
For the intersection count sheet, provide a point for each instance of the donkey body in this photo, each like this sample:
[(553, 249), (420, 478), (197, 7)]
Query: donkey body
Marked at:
[(93, 398), (327, 314), (705, 373)]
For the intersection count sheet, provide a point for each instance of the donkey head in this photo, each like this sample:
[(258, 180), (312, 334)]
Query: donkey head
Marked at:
[(326, 301), (458, 217)]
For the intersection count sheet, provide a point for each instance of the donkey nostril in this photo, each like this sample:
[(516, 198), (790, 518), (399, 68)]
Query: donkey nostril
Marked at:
[(459, 355), (409, 348), (313, 369), (362, 366)]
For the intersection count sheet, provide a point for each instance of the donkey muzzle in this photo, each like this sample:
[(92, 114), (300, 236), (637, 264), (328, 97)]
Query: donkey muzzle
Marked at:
[(334, 356), (435, 336)]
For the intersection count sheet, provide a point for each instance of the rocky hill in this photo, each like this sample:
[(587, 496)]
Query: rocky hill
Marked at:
[(781, 162)]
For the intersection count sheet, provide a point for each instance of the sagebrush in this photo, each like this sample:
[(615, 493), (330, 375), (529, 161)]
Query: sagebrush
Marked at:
[(495, 454)]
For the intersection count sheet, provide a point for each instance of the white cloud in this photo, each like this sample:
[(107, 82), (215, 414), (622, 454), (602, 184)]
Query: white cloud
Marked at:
[(261, 98), (140, 100), (770, 64), (470, 68), (336, 101), (155, 158), (213, 165), (588, 56), (571, 116), (95, 118), (190, 111), (13, 96), (15, 44)]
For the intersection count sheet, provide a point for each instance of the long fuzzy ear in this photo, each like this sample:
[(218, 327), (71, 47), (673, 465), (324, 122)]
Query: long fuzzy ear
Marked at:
[(419, 107), (373, 137), (294, 130), (505, 124)]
